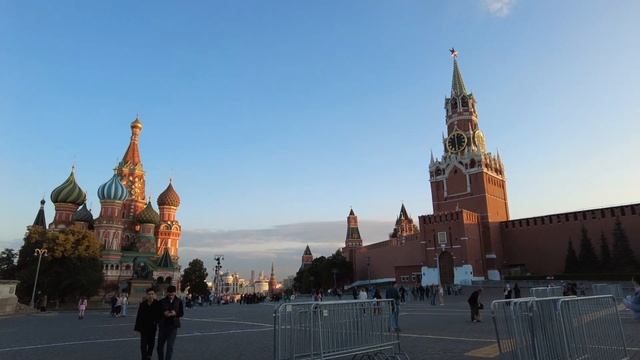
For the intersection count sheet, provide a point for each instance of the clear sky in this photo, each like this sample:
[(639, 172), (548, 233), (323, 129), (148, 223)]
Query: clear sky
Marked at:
[(270, 113)]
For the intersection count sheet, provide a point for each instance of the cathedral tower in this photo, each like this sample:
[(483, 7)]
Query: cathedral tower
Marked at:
[(169, 230), (67, 198), (404, 225), (109, 226), (131, 175)]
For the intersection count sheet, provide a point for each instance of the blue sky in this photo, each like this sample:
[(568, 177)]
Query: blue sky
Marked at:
[(287, 112)]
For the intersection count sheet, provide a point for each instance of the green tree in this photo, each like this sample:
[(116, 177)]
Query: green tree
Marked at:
[(623, 259), (72, 267), (605, 254), (320, 275), (194, 277), (571, 263), (8, 264), (587, 259)]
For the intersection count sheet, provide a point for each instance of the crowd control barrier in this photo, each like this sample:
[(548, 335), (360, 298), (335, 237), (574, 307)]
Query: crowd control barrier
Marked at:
[(608, 289), (559, 328), (332, 329), (545, 292)]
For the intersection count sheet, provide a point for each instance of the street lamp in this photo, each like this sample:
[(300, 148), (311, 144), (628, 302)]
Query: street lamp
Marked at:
[(39, 253), (218, 278), (335, 287), (368, 273)]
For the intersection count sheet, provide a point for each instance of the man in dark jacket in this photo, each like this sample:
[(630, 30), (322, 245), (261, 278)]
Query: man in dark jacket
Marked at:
[(172, 310), (393, 293), (475, 305), (147, 323)]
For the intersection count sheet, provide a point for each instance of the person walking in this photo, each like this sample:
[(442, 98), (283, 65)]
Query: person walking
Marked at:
[(362, 295), (125, 303), (172, 310), (632, 302), (507, 292), (118, 305), (147, 323), (475, 305), (434, 294), (82, 306), (441, 294), (516, 291), (392, 293)]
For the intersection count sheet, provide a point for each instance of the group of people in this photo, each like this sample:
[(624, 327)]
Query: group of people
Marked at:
[(510, 293), (161, 316), (119, 303)]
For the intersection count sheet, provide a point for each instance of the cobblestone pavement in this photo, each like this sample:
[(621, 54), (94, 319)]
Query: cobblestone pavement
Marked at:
[(246, 332)]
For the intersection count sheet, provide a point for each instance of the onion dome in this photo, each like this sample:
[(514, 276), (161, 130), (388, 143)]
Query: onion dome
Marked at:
[(148, 215), (137, 124), (69, 192), (169, 197), (83, 215), (113, 190)]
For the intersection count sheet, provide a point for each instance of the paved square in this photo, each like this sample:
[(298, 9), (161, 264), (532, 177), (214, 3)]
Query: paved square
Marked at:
[(246, 332)]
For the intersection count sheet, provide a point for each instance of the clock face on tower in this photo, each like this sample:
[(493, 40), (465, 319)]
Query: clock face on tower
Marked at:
[(479, 139), (456, 142)]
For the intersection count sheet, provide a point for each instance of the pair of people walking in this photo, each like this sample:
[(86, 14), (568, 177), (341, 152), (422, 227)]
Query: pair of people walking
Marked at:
[(162, 316)]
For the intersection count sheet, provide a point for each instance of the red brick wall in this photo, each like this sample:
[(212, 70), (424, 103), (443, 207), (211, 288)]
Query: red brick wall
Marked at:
[(540, 243)]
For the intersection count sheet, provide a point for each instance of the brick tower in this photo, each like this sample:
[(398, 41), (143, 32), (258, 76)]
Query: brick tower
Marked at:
[(307, 258), (353, 241), (273, 283), (468, 176)]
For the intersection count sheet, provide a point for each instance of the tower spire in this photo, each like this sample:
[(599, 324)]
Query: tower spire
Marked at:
[(457, 84)]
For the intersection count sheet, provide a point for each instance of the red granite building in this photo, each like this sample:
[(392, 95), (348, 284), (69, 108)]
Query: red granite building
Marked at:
[(470, 234)]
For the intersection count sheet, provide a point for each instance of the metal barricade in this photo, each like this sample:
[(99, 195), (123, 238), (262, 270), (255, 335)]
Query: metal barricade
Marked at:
[(559, 328), (592, 328), (513, 326), (608, 289), (545, 292), (326, 330)]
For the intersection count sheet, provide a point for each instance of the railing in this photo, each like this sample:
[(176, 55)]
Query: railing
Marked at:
[(326, 330), (559, 328), (608, 289), (545, 292)]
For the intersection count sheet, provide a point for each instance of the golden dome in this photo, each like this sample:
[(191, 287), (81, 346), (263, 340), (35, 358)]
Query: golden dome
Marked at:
[(136, 123)]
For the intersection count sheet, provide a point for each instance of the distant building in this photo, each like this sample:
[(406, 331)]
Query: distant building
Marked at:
[(307, 258)]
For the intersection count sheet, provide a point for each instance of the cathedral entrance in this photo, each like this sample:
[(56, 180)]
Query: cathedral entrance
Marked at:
[(445, 260)]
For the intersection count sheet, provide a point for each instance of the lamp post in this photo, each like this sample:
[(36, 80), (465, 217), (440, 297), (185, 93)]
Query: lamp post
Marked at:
[(368, 273), (218, 278), (335, 286), (39, 253)]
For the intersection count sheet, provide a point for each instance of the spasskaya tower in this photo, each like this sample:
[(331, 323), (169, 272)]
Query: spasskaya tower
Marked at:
[(468, 176)]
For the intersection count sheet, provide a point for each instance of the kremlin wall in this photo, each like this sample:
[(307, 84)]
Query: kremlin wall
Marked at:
[(470, 236)]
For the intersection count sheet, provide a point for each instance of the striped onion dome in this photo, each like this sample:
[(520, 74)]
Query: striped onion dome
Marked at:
[(69, 192), (148, 215), (113, 190), (169, 197), (83, 215)]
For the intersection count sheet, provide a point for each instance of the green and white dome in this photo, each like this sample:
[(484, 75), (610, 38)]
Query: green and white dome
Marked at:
[(69, 192)]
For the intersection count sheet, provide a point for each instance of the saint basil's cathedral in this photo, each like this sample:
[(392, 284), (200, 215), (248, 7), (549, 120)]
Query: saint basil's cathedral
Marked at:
[(137, 242)]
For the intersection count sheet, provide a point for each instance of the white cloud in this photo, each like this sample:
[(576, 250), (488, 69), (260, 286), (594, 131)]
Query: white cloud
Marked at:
[(245, 250), (499, 7)]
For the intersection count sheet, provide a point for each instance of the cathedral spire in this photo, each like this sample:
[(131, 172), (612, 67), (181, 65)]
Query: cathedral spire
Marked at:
[(40, 220), (132, 155)]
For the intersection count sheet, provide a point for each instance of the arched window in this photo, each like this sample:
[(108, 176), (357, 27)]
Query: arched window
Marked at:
[(464, 102), (454, 105)]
